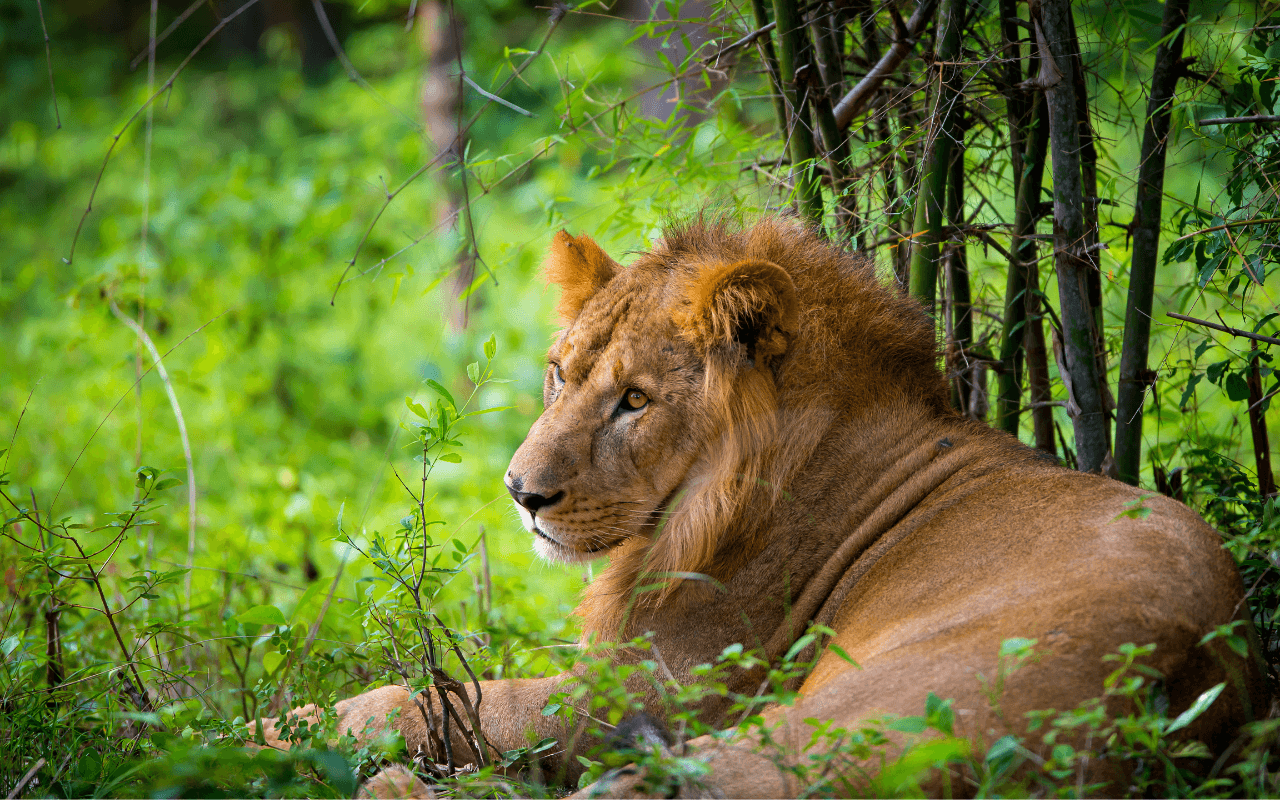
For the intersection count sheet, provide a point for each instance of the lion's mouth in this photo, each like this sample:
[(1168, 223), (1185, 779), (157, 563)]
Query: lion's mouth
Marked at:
[(538, 530)]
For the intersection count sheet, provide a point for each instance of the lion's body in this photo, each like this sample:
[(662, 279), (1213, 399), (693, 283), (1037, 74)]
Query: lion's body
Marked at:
[(795, 446)]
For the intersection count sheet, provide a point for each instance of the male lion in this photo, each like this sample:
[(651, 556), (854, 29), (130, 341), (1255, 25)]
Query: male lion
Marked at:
[(749, 419)]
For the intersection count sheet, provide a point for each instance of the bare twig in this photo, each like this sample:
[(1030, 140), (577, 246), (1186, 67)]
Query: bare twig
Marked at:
[(48, 60), (22, 784), (1226, 329), (494, 97), (1238, 120), (182, 432)]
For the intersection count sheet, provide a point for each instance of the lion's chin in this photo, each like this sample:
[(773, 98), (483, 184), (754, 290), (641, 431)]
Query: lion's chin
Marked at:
[(551, 550)]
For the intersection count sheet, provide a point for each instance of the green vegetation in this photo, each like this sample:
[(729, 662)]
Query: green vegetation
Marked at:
[(284, 491)]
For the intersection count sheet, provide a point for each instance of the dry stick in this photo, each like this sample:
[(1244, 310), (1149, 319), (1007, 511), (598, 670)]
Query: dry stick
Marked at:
[(186, 442), (22, 784), (1225, 328), (1236, 120), (557, 15), (859, 97), (48, 60), (115, 140)]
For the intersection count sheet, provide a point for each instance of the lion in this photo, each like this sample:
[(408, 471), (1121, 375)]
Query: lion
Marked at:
[(756, 433)]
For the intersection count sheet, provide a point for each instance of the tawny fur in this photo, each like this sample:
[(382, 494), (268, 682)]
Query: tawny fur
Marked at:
[(796, 461)]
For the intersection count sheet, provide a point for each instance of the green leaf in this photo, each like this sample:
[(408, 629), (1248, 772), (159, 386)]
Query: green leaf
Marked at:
[(486, 411), (443, 392), (337, 770), (800, 645), (1197, 708), (1236, 386), (167, 483), (1001, 751), (491, 347), (415, 408), (473, 372), (452, 458), (843, 655), (272, 660), (939, 713), (262, 615), (1189, 391)]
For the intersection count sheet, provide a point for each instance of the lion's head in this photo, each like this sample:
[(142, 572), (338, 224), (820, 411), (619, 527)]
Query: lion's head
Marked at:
[(670, 396)]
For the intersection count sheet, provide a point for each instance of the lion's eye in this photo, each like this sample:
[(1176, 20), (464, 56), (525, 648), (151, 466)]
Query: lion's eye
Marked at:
[(557, 377), (634, 399)]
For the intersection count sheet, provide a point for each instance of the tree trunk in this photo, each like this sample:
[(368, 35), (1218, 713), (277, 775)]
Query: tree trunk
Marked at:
[(1258, 427), (1146, 245), (794, 64), (930, 202), (1071, 262)]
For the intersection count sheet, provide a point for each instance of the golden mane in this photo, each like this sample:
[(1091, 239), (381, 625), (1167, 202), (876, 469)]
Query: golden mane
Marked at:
[(854, 345)]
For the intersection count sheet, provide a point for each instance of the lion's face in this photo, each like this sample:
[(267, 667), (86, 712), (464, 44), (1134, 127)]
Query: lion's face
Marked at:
[(620, 430), (628, 412)]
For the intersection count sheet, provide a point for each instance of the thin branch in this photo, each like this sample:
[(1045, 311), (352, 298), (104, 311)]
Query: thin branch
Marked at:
[(743, 42), (494, 97), (1234, 224), (115, 140), (48, 60), (1225, 328), (859, 97), (1237, 120), (31, 773), (182, 432)]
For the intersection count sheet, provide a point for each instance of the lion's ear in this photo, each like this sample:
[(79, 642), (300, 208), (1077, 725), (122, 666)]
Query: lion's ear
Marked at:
[(752, 303), (581, 268)]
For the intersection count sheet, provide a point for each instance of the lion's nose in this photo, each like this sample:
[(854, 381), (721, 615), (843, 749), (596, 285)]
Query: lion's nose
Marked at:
[(533, 501)]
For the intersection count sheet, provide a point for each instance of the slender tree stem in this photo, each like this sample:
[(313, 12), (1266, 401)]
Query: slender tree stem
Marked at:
[(795, 64), (927, 230), (1132, 386), (1071, 261)]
